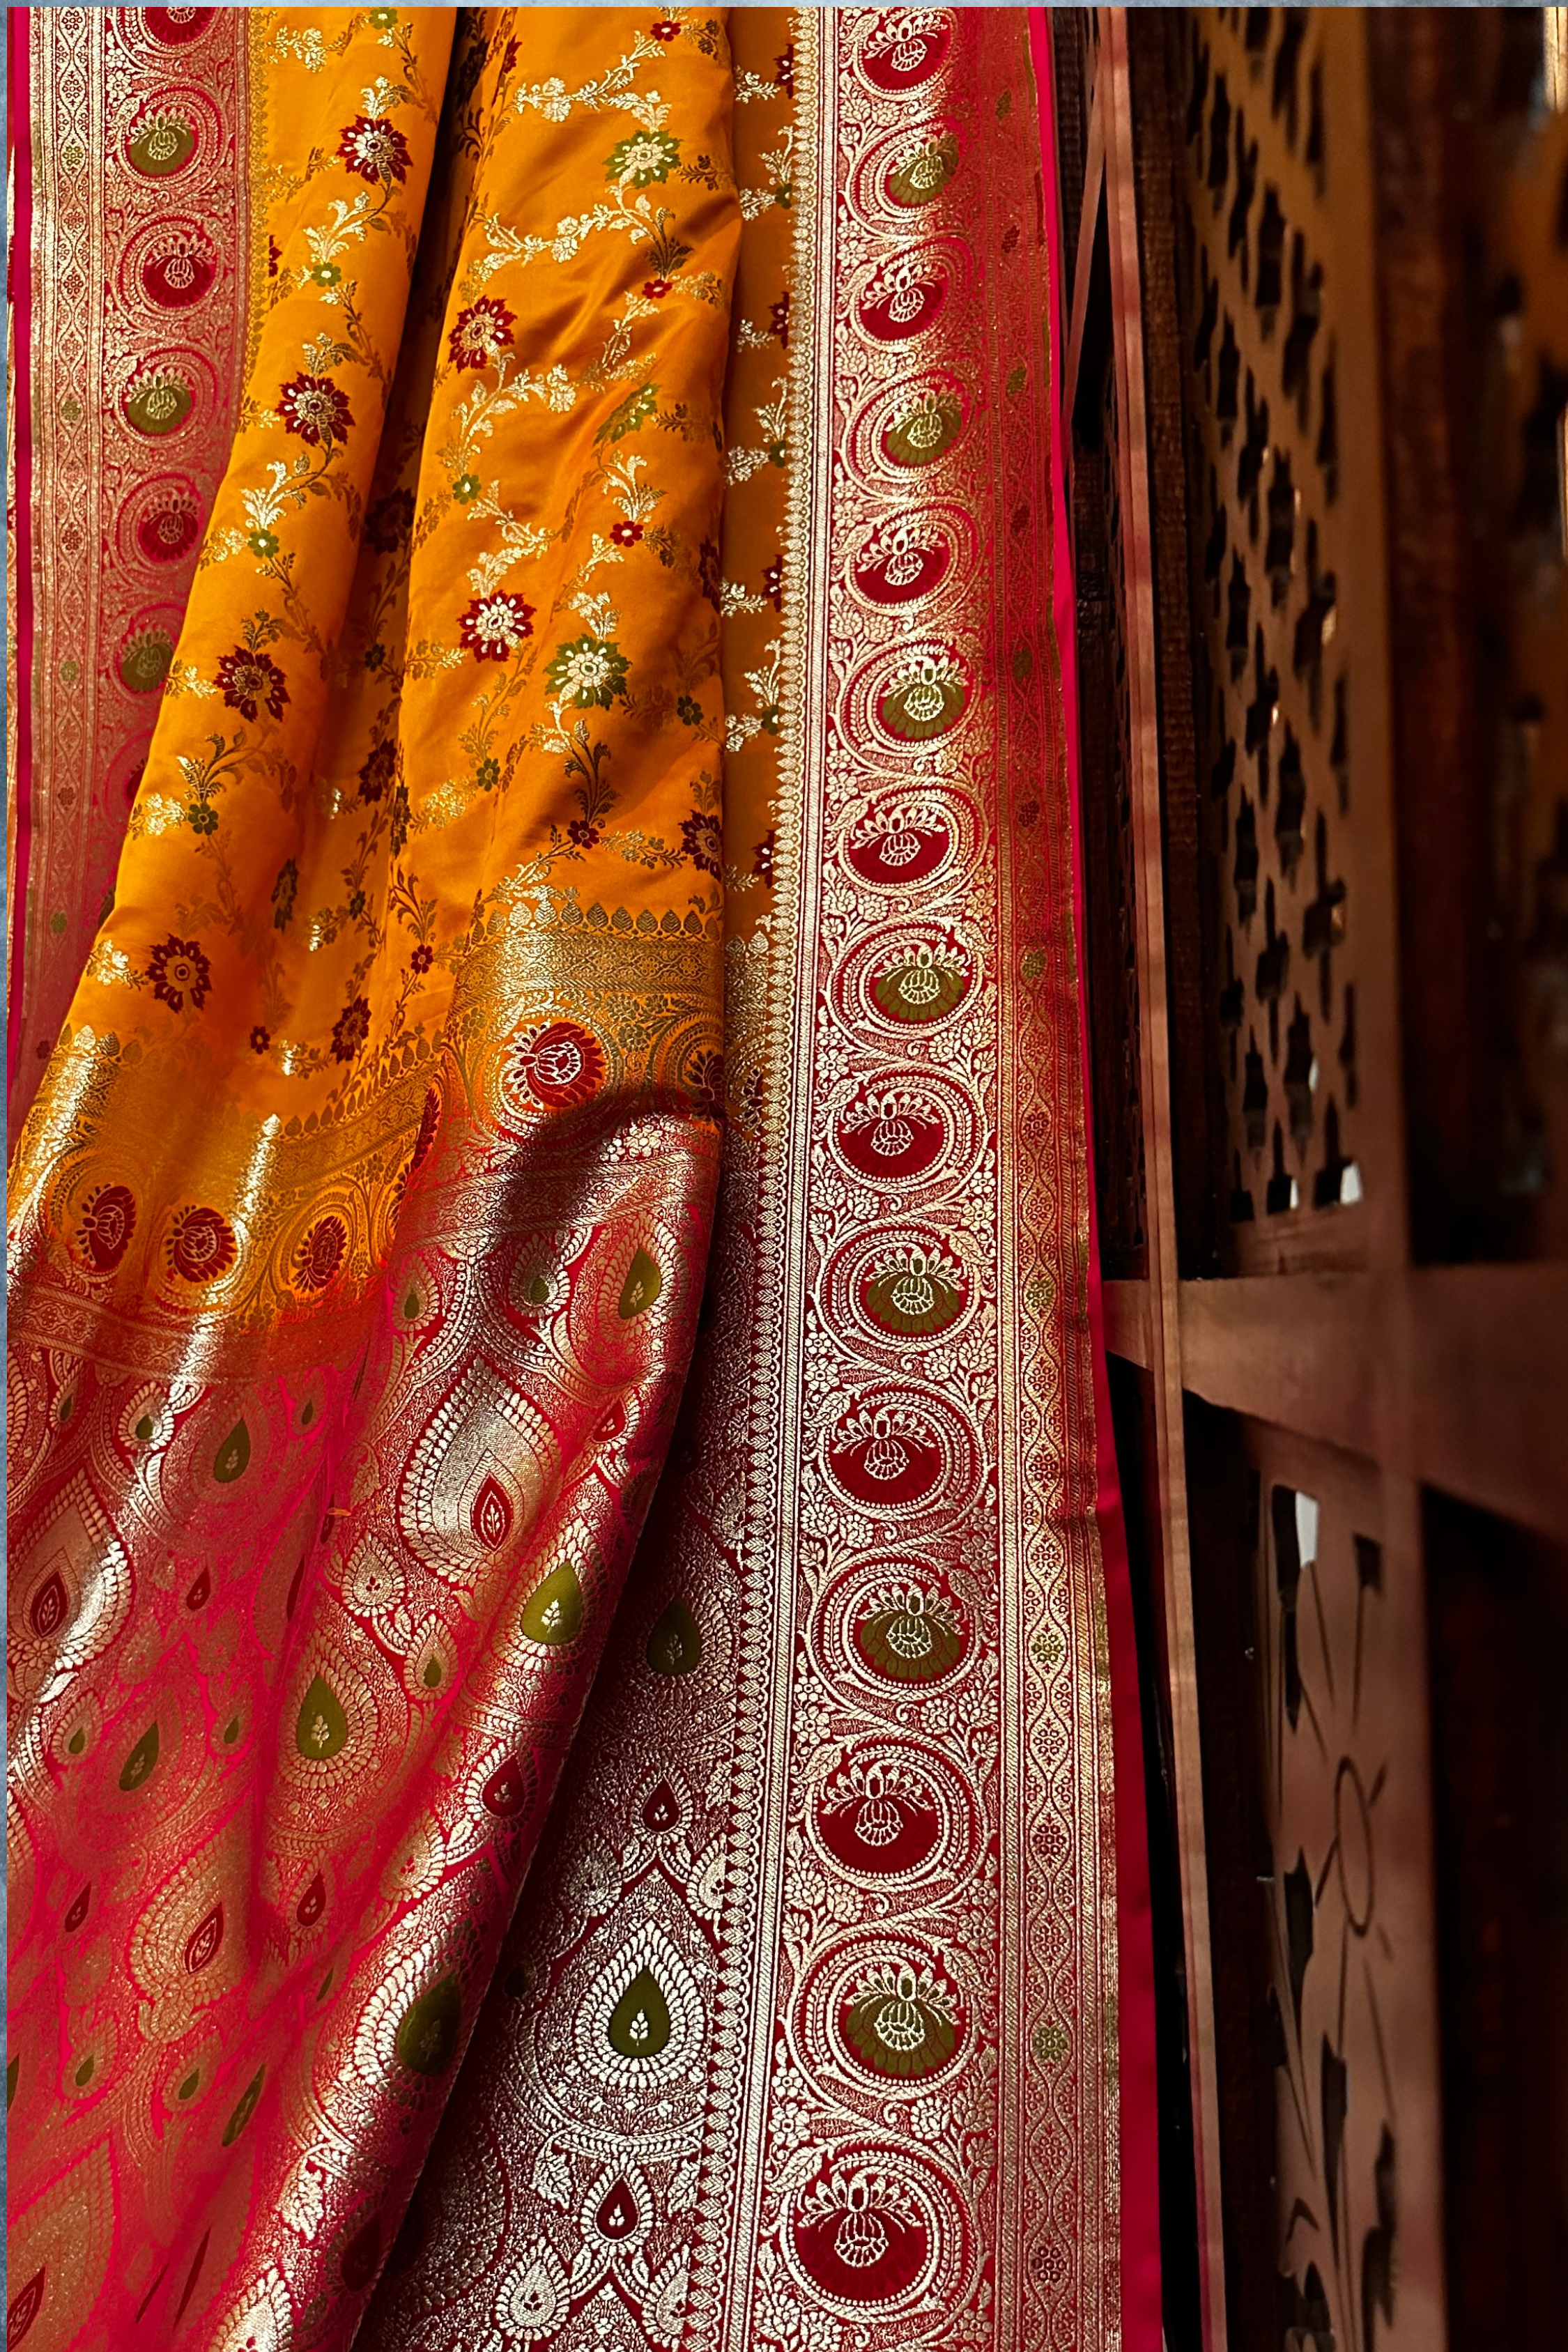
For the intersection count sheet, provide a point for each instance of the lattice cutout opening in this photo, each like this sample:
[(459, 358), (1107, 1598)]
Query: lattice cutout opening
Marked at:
[(1274, 673)]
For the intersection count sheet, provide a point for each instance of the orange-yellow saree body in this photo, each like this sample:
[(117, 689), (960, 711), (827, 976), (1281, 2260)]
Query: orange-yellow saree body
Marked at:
[(570, 737)]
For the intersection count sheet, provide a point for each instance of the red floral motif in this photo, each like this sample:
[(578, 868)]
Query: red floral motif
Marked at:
[(422, 959), (666, 29), (710, 574), (176, 28), (389, 521), (177, 969), (703, 842), (351, 1029), (108, 1222), (772, 583), (179, 270), (319, 1257), (705, 1074), (251, 680), (378, 770), (778, 319), (202, 1245), (274, 256), (785, 71), (656, 289), (626, 534), (762, 863), (375, 149), (314, 408), (495, 625), (169, 529), (585, 834), (481, 333), (561, 1064), (260, 1039)]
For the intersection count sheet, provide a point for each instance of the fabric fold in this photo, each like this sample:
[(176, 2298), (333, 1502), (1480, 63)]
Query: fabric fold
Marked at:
[(360, 1227)]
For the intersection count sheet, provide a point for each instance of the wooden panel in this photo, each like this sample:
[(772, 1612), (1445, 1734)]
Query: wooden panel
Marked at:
[(1287, 595)]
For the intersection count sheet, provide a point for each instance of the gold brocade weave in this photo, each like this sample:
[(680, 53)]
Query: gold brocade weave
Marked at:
[(608, 786)]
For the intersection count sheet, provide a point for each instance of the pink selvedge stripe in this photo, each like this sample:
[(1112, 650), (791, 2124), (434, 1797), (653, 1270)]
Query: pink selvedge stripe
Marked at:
[(19, 155), (1142, 2327)]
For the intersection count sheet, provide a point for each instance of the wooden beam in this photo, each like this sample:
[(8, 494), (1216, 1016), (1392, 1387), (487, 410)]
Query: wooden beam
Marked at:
[(1452, 1376), (1093, 183), (1126, 1311)]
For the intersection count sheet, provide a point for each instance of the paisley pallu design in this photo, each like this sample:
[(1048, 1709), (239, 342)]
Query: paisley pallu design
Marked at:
[(874, 1795), (360, 1227), (129, 347)]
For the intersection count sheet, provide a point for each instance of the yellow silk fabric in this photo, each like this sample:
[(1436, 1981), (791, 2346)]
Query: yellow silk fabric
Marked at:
[(513, 455), (359, 1228)]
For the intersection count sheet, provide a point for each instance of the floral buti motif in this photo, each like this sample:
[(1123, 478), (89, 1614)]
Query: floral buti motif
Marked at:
[(897, 844), (905, 47), (927, 693), (924, 426), (878, 2234), (879, 1818), (899, 2021), (556, 1066), (903, 1125), (912, 1289), (903, 297), (923, 168), (902, 1451), (905, 558), (908, 1632), (921, 981), (162, 142)]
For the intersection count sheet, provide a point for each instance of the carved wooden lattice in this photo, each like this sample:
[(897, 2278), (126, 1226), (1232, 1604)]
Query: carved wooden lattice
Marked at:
[(1274, 629)]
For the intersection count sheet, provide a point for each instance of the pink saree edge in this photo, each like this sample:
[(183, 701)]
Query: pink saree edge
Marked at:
[(19, 152), (1142, 2324)]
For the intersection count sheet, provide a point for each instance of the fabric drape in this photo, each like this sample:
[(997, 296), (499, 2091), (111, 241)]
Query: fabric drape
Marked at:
[(571, 743)]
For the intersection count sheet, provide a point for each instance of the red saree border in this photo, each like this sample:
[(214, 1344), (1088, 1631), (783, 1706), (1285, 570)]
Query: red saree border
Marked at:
[(19, 155), (1142, 2322)]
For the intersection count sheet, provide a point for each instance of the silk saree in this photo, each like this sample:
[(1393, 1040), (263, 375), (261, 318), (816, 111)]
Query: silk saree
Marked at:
[(573, 1770)]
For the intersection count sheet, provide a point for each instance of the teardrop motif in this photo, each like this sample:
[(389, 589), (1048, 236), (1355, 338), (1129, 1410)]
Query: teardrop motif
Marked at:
[(641, 1288), (505, 1793), (553, 1610), (321, 1729), (491, 1516), (618, 2214), (639, 2022), (203, 1942), (675, 1645), (312, 1902), (200, 1591), (246, 2108), (78, 1911), (138, 1766), (662, 1811), (50, 1606), (25, 2307), (233, 1456), (427, 2031)]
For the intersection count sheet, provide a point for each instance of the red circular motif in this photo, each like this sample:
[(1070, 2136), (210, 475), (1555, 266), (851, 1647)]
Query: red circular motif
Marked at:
[(321, 1253), (176, 29), (108, 1222), (886, 1455), (561, 1064), (891, 1131), (872, 1820), (905, 47), (891, 570), (902, 846), (904, 300), (168, 531), (202, 1245), (179, 268)]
